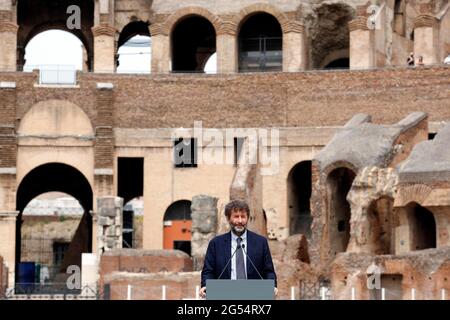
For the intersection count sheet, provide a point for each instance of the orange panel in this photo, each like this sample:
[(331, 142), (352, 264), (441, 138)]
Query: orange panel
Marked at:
[(180, 230)]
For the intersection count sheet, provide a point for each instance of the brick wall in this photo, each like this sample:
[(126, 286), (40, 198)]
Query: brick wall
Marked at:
[(143, 262), (315, 98), (8, 144)]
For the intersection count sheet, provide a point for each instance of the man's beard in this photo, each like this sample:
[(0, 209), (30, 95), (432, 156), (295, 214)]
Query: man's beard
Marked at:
[(238, 229)]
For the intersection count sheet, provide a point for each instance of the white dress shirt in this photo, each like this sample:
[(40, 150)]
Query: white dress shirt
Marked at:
[(233, 247)]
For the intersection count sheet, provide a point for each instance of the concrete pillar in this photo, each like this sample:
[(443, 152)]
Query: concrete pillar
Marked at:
[(89, 274), (227, 53), (109, 224), (8, 40), (104, 49), (161, 55), (426, 39), (204, 226), (362, 55), (294, 52), (158, 195), (227, 47), (8, 242)]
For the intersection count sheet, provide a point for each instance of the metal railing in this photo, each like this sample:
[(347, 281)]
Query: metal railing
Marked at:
[(54, 291), (169, 291)]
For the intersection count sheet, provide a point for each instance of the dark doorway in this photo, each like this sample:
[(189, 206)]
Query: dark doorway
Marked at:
[(299, 194), (260, 44), (339, 182), (193, 43)]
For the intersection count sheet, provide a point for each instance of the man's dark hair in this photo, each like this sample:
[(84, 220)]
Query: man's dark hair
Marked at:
[(236, 205)]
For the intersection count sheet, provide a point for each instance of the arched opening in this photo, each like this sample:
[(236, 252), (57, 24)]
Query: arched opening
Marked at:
[(34, 17), (177, 226), (343, 63), (381, 224), (57, 55), (260, 44), (134, 48), (328, 32), (422, 227), (48, 241), (299, 194), (56, 177), (339, 182), (193, 43)]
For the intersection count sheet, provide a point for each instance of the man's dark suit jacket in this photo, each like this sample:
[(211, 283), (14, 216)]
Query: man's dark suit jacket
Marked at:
[(219, 252)]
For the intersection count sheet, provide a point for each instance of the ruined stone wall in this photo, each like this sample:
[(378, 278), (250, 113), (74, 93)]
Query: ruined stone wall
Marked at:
[(426, 272), (147, 271)]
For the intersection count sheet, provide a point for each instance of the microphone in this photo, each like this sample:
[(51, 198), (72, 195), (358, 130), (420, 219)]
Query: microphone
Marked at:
[(237, 248), (243, 249)]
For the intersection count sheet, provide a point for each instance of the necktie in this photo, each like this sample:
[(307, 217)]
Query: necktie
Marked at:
[(240, 265)]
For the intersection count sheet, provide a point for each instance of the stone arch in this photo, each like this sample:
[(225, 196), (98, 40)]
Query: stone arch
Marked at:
[(412, 193), (56, 118), (192, 41), (184, 13), (339, 164), (333, 56), (328, 30), (54, 176), (135, 28), (34, 18), (246, 12), (299, 194), (132, 29)]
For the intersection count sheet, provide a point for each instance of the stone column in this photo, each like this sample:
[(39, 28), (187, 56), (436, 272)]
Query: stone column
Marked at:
[(8, 242), (426, 39), (204, 227), (109, 224), (161, 54), (227, 47), (294, 52), (104, 48), (362, 50), (8, 40)]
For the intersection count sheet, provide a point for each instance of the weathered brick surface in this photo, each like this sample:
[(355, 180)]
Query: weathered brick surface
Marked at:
[(149, 286), (143, 262), (277, 99), (242, 100)]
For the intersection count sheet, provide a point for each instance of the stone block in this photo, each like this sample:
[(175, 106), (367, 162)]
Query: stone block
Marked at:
[(145, 261)]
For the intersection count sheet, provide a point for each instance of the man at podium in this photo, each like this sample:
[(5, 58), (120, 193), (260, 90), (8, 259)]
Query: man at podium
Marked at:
[(239, 253)]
